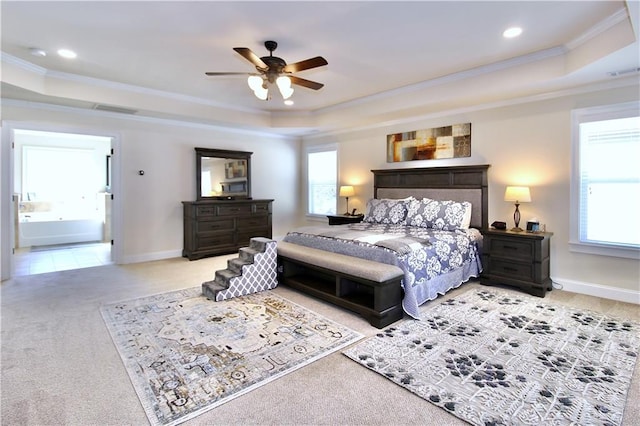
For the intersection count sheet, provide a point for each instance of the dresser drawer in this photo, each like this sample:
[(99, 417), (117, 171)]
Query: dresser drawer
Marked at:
[(215, 225), (256, 221), (204, 211), (234, 210), (516, 270), (210, 241), (511, 248), (262, 208)]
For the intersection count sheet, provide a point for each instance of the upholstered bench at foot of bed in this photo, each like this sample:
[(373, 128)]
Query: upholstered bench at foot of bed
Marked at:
[(369, 288)]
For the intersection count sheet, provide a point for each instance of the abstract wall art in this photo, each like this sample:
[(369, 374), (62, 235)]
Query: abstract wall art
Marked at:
[(430, 144)]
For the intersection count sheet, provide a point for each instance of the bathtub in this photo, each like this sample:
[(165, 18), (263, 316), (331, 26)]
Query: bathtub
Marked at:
[(48, 228)]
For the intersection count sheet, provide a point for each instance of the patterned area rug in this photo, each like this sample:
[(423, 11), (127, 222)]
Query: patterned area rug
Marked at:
[(492, 358), (186, 354)]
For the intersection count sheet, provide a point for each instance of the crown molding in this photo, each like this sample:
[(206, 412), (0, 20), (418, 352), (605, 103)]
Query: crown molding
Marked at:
[(598, 29), (21, 63), (578, 90), (112, 85), (97, 82), (146, 119)]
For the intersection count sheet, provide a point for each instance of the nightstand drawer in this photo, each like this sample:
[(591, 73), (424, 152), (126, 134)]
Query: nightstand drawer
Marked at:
[(512, 248), (516, 270)]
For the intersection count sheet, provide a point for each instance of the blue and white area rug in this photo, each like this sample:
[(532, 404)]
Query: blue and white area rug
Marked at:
[(495, 358), (186, 354)]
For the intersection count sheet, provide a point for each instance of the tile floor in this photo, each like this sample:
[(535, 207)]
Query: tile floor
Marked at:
[(30, 261)]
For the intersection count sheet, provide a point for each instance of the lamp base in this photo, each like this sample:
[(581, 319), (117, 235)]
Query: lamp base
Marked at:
[(516, 229)]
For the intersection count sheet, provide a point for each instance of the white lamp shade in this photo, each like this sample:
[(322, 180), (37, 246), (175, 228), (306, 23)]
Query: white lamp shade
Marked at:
[(283, 82), (255, 82), (518, 194), (262, 94), (346, 191), (286, 92)]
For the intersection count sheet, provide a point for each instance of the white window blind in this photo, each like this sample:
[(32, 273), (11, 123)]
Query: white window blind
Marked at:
[(607, 190), (322, 172)]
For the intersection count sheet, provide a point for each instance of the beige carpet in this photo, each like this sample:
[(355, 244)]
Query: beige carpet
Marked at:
[(59, 366)]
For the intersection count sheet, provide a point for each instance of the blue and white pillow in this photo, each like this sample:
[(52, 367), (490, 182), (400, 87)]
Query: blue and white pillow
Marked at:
[(442, 215), (387, 211)]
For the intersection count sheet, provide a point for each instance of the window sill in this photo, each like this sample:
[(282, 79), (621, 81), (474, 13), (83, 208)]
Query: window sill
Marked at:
[(605, 250)]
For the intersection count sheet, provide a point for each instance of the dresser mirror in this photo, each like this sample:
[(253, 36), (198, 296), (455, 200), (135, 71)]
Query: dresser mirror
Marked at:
[(223, 174)]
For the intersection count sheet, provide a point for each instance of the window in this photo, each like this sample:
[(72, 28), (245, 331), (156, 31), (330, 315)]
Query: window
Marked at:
[(605, 203), (322, 173), (57, 174)]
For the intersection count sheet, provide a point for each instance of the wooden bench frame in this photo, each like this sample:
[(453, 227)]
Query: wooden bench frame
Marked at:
[(369, 288)]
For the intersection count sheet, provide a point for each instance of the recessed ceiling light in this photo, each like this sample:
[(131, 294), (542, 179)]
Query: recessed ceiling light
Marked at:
[(512, 32), (288, 102), (66, 53)]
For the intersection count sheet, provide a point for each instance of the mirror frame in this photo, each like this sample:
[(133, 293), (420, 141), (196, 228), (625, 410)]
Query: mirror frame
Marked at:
[(221, 153)]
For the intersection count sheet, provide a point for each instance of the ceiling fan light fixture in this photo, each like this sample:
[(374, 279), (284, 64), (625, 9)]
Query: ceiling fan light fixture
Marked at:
[(255, 82), (261, 93), (286, 92), (284, 85), (283, 82), (272, 69)]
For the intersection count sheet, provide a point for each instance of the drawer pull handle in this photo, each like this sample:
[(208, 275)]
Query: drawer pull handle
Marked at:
[(511, 247), (507, 268)]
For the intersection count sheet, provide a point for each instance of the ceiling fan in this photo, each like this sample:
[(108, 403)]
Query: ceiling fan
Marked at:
[(272, 69)]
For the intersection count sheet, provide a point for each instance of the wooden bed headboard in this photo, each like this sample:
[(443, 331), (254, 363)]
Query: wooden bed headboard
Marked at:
[(457, 183)]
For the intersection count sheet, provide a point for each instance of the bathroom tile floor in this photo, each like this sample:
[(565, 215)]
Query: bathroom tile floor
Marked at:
[(38, 260)]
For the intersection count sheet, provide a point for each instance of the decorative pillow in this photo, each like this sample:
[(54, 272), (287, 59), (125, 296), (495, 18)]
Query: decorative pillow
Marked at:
[(387, 211), (443, 215)]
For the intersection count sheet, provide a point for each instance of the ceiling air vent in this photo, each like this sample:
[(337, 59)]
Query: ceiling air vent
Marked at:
[(623, 72), (109, 108)]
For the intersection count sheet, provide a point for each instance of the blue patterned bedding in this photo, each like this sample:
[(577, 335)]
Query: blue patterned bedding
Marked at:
[(433, 261)]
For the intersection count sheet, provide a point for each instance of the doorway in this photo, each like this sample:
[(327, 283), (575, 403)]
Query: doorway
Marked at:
[(62, 201)]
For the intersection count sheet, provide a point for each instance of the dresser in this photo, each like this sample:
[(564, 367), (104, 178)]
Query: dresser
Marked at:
[(519, 259), (214, 227)]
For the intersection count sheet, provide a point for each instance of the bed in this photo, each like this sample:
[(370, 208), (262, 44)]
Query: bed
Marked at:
[(402, 254)]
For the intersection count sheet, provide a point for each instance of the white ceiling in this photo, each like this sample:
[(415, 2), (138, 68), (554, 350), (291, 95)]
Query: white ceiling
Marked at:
[(375, 50)]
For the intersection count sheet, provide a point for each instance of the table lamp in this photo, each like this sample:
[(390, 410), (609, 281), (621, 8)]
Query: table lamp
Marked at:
[(347, 191), (519, 194)]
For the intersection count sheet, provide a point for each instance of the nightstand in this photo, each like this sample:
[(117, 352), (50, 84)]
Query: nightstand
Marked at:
[(519, 259), (342, 219)]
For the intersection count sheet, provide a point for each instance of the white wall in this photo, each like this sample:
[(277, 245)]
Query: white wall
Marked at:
[(151, 220), (527, 144)]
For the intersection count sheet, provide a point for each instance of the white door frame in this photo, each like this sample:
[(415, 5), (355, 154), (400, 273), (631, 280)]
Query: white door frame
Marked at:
[(7, 230)]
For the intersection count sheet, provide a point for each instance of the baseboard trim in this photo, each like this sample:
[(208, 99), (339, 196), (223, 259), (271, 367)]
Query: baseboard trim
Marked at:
[(590, 289), (150, 257)]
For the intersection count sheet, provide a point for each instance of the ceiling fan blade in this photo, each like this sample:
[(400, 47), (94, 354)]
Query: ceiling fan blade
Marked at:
[(306, 83), (318, 61), (250, 56), (227, 73)]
